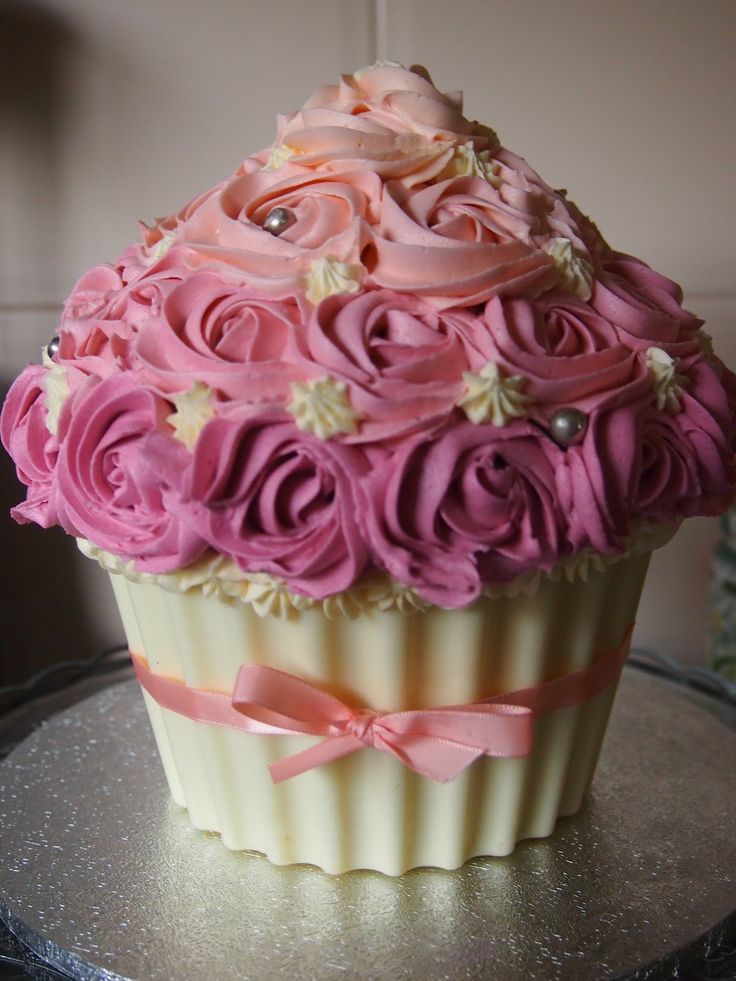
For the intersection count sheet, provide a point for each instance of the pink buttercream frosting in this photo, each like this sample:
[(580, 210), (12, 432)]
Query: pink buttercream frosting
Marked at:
[(359, 352)]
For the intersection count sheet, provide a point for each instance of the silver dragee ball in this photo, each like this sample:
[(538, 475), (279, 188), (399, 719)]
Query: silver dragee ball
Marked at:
[(278, 220), (53, 346), (567, 426)]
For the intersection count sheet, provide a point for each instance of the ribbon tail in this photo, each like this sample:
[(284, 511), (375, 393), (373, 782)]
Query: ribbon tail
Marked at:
[(332, 748), (438, 759)]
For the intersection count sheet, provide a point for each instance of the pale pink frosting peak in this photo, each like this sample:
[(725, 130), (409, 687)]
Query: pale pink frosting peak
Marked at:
[(396, 98)]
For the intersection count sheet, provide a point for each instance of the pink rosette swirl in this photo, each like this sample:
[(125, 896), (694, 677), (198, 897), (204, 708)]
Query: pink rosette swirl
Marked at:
[(330, 212), (32, 447), (223, 335), (105, 490), (567, 354), (644, 306), (402, 359), (458, 242), (278, 501), (474, 506)]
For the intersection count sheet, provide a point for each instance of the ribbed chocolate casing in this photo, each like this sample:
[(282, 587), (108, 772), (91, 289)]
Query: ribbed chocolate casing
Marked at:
[(369, 810)]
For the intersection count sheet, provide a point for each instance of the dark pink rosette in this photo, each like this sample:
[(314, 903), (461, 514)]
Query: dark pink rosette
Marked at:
[(331, 213), (105, 490), (223, 335), (33, 449), (458, 241), (706, 419), (596, 477), (475, 505), (402, 359), (278, 501), (668, 484), (644, 306), (567, 353), (687, 465)]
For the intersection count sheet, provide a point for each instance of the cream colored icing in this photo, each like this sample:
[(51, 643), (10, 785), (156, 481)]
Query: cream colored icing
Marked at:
[(322, 406), (468, 162), (277, 157), (327, 276), (575, 272), (56, 389), (194, 409), (217, 576), (492, 397), (667, 383)]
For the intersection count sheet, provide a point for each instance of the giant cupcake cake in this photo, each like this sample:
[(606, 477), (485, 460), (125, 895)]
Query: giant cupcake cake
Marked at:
[(375, 437)]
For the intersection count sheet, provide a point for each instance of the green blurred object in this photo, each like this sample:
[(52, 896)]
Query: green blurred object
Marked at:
[(721, 642)]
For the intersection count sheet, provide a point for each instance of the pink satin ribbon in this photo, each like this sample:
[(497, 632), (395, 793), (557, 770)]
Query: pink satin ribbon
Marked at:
[(436, 742)]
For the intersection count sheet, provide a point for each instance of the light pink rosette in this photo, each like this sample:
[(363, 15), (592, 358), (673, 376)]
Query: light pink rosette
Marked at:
[(458, 242), (644, 306), (517, 181), (475, 505), (278, 501), (332, 213), (104, 314), (33, 449), (224, 336), (105, 490), (402, 359), (387, 119), (567, 354)]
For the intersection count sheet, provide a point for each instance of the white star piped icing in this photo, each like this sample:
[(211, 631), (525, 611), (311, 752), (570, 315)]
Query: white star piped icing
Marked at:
[(159, 250), (328, 276), (467, 162), (322, 406), (575, 273), (668, 385), (194, 409), (277, 157), (492, 397), (56, 390)]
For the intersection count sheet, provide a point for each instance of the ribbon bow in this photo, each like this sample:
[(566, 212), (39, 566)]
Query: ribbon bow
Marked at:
[(436, 742)]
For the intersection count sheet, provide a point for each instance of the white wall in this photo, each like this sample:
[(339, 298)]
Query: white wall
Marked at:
[(115, 110)]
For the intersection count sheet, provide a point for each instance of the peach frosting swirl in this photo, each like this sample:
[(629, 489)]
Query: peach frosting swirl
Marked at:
[(383, 349)]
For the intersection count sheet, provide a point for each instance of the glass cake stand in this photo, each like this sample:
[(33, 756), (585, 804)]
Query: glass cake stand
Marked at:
[(102, 877)]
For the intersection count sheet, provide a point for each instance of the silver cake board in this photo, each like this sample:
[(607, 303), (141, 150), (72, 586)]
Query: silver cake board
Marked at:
[(104, 878)]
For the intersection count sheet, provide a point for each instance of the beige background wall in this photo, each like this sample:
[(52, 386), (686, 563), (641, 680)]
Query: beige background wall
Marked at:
[(112, 110)]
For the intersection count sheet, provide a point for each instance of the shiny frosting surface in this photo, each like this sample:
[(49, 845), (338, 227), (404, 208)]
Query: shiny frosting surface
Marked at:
[(383, 350)]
